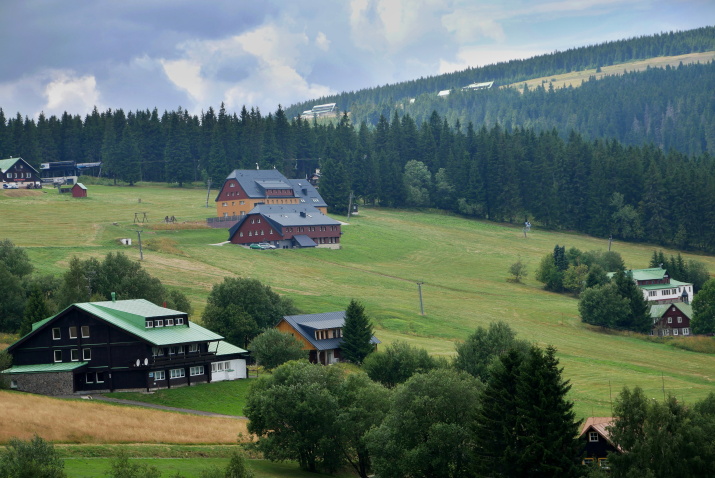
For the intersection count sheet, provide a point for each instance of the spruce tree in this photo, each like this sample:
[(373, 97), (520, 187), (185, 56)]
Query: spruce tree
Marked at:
[(357, 333), (35, 310)]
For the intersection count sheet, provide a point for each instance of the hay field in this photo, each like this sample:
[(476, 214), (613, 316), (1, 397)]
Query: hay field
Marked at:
[(83, 421), (463, 264), (575, 78)]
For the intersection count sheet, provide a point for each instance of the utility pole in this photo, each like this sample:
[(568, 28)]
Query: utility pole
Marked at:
[(610, 240), (208, 191), (419, 289), (141, 253), (350, 205)]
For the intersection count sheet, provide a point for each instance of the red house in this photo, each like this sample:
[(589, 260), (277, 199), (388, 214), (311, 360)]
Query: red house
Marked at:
[(285, 227), (79, 191), (671, 319)]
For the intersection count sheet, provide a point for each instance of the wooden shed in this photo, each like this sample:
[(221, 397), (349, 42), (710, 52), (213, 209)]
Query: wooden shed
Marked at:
[(79, 190)]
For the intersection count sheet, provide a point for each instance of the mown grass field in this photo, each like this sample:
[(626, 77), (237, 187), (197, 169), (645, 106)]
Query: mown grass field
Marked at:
[(463, 264), (575, 78)]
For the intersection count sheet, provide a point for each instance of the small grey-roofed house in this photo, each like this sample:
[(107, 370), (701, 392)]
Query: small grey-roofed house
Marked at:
[(286, 226), (321, 334), (119, 345)]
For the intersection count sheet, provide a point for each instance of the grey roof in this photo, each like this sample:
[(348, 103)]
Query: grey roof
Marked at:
[(286, 215), (304, 241), (307, 192), (307, 324)]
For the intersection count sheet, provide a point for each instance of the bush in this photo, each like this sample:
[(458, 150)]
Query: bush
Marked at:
[(122, 467), (36, 458)]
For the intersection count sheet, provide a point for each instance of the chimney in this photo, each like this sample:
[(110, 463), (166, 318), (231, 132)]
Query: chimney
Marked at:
[(114, 296), (302, 213)]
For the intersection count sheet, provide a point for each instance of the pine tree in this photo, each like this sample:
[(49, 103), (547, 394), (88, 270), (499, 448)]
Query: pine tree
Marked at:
[(357, 333), (35, 310)]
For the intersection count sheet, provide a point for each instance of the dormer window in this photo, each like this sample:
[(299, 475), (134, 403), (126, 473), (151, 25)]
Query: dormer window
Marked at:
[(180, 321), (169, 322), (158, 323), (73, 332), (149, 324), (593, 436), (56, 334)]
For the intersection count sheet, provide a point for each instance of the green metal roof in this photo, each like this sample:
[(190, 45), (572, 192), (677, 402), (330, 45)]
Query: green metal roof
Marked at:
[(654, 273), (657, 310), (45, 367), (131, 316), (224, 348), (673, 283), (6, 164)]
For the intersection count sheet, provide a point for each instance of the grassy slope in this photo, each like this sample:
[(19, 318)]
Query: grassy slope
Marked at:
[(463, 264), (575, 78)]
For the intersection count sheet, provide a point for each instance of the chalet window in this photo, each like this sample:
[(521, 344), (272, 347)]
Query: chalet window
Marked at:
[(85, 331), (86, 354), (73, 332), (240, 234), (261, 232), (217, 367), (100, 377), (686, 331), (224, 204), (74, 355), (180, 349), (177, 373), (250, 234), (673, 309), (233, 203), (169, 322), (592, 436), (159, 375), (231, 185), (158, 323), (160, 352), (652, 293), (172, 350), (258, 221), (241, 203), (13, 383), (253, 221), (666, 331), (58, 355), (149, 324), (270, 231), (56, 334), (194, 348), (197, 370), (180, 321), (89, 377), (670, 320), (680, 320), (675, 331)]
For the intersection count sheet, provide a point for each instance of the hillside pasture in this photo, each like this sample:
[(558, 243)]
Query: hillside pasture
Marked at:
[(463, 264), (86, 421), (575, 78)]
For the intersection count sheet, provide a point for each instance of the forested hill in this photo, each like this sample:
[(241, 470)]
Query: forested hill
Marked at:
[(670, 107)]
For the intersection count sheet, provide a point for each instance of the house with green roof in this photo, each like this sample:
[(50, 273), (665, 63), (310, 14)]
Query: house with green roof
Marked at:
[(671, 319), (120, 345), (659, 288), (17, 173)]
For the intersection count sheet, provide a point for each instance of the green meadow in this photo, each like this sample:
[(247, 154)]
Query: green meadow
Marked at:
[(461, 262)]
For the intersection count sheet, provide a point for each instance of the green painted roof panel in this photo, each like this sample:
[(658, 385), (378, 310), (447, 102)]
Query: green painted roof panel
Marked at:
[(45, 367), (224, 348)]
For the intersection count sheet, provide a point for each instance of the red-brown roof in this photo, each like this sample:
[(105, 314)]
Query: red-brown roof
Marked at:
[(599, 425)]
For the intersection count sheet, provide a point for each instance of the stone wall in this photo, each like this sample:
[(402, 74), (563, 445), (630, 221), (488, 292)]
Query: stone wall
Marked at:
[(57, 383)]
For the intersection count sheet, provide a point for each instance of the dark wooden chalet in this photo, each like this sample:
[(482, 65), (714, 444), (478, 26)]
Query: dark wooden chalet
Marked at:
[(286, 227), (597, 441), (321, 334), (119, 345), (671, 319), (18, 172)]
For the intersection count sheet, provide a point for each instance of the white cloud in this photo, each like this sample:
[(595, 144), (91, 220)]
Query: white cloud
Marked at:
[(484, 55), (471, 25), (186, 75), (322, 42)]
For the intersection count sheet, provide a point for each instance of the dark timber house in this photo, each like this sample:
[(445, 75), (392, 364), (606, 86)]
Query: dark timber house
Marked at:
[(120, 345), (597, 442)]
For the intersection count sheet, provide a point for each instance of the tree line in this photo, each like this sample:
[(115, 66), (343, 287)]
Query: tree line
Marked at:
[(382, 99)]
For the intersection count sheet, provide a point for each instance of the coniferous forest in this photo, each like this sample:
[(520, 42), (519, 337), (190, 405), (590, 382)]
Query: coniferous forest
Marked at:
[(628, 156)]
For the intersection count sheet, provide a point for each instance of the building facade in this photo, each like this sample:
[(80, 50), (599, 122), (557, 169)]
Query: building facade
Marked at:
[(17, 173), (119, 345), (671, 320)]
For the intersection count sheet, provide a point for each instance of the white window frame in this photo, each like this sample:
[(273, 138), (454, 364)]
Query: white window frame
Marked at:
[(197, 370), (172, 350), (680, 320), (193, 348), (89, 377), (158, 323), (180, 321), (149, 324), (686, 331), (159, 375), (83, 329), (73, 332), (180, 349), (675, 331), (13, 384), (175, 373), (56, 334), (74, 355), (169, 322), (99, 374), (86, 355), (592, 437), (670, 320), (57, 355)]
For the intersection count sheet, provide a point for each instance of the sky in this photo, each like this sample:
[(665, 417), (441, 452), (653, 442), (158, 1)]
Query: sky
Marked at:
[(73, 55)]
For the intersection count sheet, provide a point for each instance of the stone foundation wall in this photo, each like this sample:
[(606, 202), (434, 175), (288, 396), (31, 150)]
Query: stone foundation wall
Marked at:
[(57, 383)]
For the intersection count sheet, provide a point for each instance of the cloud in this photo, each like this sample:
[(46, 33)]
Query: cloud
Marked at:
[(322, 42), (484, 55), (68, 92)]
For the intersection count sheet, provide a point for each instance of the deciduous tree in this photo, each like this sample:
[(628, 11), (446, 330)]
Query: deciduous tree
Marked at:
[(272, 348)]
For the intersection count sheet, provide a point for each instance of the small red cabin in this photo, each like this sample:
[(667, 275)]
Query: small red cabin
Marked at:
[(79, 191)]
